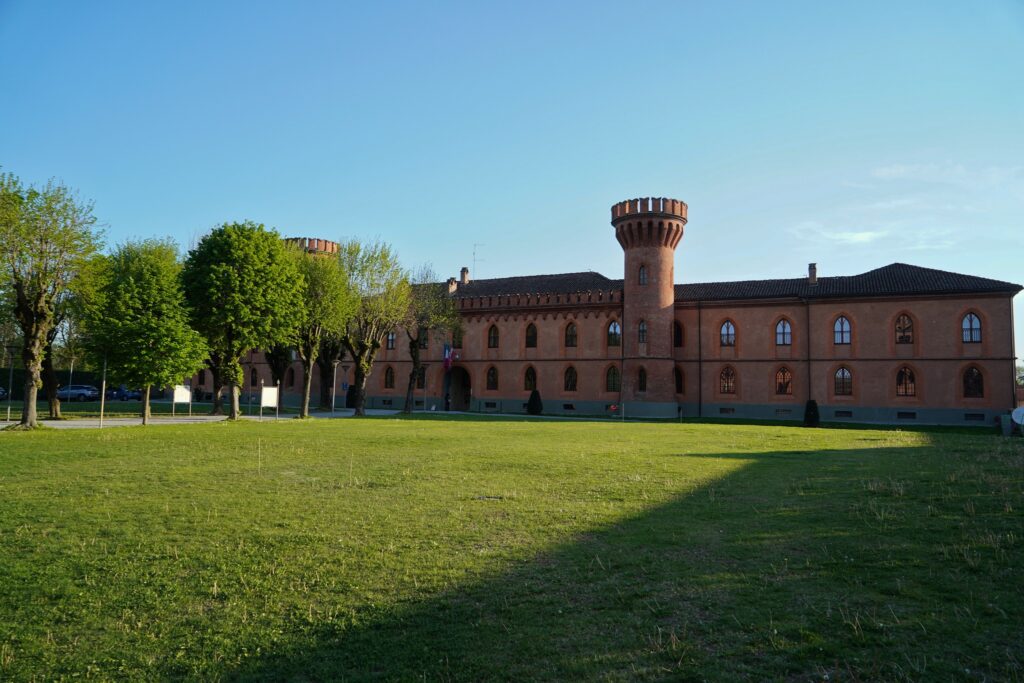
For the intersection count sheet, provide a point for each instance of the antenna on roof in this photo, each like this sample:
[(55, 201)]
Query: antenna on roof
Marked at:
[(475, 245)]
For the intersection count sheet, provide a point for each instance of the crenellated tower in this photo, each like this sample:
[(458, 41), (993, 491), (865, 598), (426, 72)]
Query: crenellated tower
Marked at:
[(649, 229)]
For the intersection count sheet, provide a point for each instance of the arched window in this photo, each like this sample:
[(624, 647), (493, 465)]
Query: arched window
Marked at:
[(289, 377), (971, 326), (614, 334), (642, 276), (389, 377), (727, 381), (641, 332), (531, 336), (421, 378), (570, 335), (201, 380), (677, 375), (974, 383), (570, 379), (641, 380), (457, 338), (492, 378), (841, 330), (254, 377), (391, 340), (905, 385), (904, 329), (783, 333), (677, 334), (492, 337), (843, 382), (612, 379), (530, 379), (728, 334), (784, 382)]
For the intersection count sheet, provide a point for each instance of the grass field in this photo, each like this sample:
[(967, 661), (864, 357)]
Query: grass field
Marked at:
[(511, 550)]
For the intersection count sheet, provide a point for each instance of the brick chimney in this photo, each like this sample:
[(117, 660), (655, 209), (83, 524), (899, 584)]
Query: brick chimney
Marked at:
[(812, 273), (464, 276), (452, 285)]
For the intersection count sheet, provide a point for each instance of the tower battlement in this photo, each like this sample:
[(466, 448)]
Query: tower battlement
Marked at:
[(649, 222), (649, 205), (314, 245)]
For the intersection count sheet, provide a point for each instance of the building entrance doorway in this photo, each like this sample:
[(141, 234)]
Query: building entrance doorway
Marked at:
[(460, 389)]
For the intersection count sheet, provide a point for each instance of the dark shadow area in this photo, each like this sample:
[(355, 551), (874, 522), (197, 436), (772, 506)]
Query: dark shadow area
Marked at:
[(773, 572)]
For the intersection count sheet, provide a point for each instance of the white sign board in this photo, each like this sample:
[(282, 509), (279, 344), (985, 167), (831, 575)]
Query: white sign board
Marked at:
[(182, 394), (268, 397)]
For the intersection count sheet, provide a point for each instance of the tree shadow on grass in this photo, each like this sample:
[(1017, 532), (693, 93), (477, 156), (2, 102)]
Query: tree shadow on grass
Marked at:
[(794, 566)]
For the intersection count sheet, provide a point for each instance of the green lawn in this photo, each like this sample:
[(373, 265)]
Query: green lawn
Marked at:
[(513, 550)]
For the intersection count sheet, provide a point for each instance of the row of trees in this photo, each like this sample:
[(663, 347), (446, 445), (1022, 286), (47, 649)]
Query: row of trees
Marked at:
[(151, 318)]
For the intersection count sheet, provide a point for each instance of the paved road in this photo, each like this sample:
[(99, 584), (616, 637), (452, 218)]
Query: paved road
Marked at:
[(94, 423)]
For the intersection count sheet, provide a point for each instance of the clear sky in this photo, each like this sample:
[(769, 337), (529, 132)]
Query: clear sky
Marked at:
[(851, 134)]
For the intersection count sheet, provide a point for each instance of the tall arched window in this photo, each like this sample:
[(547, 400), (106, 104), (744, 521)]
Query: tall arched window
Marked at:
[(570, 335), (974, 383), (492, 337), (641, 380), (904, 329), (727, 381), (677, 375), (254, 377), (614, 334), (641, 332), (642, 276), (492, 378), (843, 382), (905, 385), (390, 341), (784, 382), (289, 377), (389, 377), (841, 331), (783, 333), (531, 336), (530, 379), (201, 380), (612, 379), (570, 379), (421, 378), (677, 334), (728, 336), (971, 326)]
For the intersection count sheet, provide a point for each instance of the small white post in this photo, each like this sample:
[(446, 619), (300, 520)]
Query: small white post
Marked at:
[(103, 390), (277, 403)]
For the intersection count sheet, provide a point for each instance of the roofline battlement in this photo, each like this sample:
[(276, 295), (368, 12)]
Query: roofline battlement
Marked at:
[(662, 206), (314, 245), (592, 297)]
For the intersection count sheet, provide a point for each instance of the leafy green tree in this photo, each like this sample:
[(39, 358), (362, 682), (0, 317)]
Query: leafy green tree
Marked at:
[(46, 234), (383, 292), (139, 321), (1020, 375), (328, 304), (431, 309), (244, 293)]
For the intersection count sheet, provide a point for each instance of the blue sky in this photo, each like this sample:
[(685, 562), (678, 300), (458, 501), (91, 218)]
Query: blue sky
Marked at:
[(852, 135)]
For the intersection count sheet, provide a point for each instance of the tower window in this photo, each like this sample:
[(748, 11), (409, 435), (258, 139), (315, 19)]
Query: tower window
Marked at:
[(570, 335), (784, 382), (389, 378), (841, 331), (971, 326), (727, 381), (614, 334), (642, 276), (492, 337), (974, 383), (904, 329), (677, 334), (843, 382), (570, 379), (905, 385), (531, 336), (641, 332), (612, 379), (530, 379), (783, 333), (728, 334), (641, 380), (492, 378)]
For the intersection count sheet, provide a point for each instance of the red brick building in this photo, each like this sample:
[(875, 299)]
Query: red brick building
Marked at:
[(899, 344)]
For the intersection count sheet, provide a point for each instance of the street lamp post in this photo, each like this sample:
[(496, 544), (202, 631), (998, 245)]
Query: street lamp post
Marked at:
[(334, 385)]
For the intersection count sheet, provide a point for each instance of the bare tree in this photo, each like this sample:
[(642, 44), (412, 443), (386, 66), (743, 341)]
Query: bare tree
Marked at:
[(431, 309)]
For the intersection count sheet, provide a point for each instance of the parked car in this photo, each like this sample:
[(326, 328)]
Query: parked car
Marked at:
[(78, 392), (130, 395), (3, 393)]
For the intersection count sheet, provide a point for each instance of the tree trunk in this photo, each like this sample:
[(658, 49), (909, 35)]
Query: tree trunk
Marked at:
[(50, 382), (31, 356), (216, 377), (307, 383), (359, 390), (145, 405), (234, 389)]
